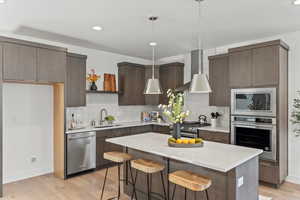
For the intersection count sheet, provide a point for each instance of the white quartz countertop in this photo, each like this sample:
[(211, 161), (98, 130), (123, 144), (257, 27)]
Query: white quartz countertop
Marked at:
[(120, 125), (215, 156), (222, 129)]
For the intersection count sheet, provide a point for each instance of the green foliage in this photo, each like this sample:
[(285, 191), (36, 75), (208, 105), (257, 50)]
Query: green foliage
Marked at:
[(174, 110), (110, 118), (296, 113)]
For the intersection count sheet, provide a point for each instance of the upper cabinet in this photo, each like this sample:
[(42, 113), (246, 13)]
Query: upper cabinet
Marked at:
[(25, 61), (171, 76), (218, 79), (133, 79), (76, 81), (255, 65), (131, 84), (240, 68), (19, 62), (51, 65)]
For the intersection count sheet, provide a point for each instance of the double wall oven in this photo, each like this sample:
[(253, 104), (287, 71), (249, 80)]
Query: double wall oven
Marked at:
[(253, 120)]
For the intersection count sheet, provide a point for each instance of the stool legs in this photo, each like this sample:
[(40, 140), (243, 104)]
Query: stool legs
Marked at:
[(133, 185), (206, 192), (163, 184), (185, 193), (119, 181), (148, 186), (102, 191), (173, 195)]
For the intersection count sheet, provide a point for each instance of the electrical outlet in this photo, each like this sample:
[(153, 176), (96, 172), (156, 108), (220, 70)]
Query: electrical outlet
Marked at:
[(33, 159), (240, 181)]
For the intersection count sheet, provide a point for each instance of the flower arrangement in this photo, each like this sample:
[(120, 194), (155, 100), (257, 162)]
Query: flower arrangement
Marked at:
[(93, 77), (174, 110), (296, 114)]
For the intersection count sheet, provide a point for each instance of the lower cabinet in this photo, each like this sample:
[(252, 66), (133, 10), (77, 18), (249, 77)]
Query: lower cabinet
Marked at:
[(269, 172), (215, 136), (161, 129)]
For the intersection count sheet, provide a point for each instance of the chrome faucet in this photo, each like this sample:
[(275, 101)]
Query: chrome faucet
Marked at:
[(102, 120)]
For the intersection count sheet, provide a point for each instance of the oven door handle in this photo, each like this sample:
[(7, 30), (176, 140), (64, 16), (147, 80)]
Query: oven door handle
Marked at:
[(253, 127)]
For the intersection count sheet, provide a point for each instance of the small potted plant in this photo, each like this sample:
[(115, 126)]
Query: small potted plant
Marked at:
[(110, 119), (214, 118), (93, 78), (296, 115), (174, 111)]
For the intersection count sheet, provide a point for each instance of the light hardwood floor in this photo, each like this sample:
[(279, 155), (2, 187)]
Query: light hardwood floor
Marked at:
[(87, 187)]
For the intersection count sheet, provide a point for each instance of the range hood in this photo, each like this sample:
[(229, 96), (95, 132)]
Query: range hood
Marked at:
[(199, 83)]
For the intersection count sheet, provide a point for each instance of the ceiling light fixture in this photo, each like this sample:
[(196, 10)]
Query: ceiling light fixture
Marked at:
[(2, 1), (296, 2), (200, 82), (153, 85), (96, 28)]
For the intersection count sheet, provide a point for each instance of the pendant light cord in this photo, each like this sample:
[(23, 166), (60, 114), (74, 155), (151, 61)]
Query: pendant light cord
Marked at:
[(200, 42), (153, 48)]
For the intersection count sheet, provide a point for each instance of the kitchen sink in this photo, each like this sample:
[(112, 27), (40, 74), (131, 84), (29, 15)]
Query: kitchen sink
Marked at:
[(107, 126)]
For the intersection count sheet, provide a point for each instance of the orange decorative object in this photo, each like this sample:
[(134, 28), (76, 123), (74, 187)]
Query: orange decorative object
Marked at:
[(93, 77), (109, 83)]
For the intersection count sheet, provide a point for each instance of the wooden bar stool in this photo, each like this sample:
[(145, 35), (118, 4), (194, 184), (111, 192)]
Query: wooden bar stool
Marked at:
[(191, 181), (119, 158), (149, 167)]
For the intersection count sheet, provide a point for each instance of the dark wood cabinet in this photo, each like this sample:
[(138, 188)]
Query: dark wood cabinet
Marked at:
[(76, 81), (171, 76), (51, 65), (151, 99), (161, 129), (265, 66), (131, 84), (19, 62), (268, 172), (218, 79), (215, 136), (240, 69)]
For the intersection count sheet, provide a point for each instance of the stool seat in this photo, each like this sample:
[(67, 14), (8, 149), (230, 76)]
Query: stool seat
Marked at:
[(190, 180), (118, 157), (147, 166)]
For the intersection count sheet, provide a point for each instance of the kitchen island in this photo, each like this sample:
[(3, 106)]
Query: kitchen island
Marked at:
[(232, 169)]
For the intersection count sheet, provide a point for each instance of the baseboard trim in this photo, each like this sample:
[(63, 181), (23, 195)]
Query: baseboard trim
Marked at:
[(293, 179), (21, 175)]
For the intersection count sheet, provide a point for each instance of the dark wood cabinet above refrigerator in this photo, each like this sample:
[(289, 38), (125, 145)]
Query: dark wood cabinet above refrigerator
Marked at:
[(133, 78)]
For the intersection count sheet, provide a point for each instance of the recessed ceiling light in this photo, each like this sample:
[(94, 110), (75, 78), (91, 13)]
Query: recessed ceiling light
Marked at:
[(2, 1), (296, 2), (96, 28), (153, 44)]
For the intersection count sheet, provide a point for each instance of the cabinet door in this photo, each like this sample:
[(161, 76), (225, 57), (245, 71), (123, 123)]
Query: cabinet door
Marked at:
[(76, 82), (218, 79), (151, 99), (19, 62), (265, 66), (215, 136), (51, 66), (240, 69)]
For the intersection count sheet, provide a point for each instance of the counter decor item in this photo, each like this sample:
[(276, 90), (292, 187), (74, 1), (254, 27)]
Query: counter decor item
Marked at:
[(93, 78), (214, 118), (296, 115), (109, 83), (110, 119), (174, 111), (185, 143)]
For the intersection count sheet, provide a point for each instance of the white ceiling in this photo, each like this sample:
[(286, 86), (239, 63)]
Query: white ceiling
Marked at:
[(127, 30)]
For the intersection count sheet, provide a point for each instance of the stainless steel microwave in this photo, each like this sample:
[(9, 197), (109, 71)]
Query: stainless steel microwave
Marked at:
[(254, 102)]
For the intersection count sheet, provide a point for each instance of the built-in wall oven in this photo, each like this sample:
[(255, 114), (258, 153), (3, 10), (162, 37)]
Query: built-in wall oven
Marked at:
[(255, 132), (253, 102)]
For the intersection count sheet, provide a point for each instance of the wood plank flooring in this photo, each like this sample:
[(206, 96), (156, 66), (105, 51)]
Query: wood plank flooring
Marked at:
[(87, 187)]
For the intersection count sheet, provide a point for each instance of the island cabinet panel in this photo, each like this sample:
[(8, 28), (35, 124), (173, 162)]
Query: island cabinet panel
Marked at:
[(171, 76), (51, 66), (131, 84), (19, 62), (76, 81), (215, 136), (218, 79), (265, 66), (151, 99), (240, 69), (161, 129)]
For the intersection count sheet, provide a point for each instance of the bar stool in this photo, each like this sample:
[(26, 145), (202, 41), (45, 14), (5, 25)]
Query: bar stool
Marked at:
[(119, 158), (149, 167), (191, 181)]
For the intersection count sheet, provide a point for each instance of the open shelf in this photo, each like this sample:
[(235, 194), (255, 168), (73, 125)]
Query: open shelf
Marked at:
[(101, 92)]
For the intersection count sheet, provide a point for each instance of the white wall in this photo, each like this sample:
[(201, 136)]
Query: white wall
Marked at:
[(27, 131), (293, 40), (28, 114)]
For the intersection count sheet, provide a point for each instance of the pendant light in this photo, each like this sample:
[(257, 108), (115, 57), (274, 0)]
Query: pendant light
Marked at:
[(153, 85), (200, 82)]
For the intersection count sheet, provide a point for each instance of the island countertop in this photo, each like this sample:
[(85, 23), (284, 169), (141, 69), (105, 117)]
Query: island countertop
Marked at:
[(215, 156)]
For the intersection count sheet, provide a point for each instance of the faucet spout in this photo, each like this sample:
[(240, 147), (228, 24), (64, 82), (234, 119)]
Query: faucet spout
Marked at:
[(102, 118)]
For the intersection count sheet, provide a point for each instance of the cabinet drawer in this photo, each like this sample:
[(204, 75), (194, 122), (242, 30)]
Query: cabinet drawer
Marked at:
[(215, 136), (268, 172)]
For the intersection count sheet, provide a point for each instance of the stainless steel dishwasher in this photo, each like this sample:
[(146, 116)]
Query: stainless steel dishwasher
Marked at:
[(81, 154)]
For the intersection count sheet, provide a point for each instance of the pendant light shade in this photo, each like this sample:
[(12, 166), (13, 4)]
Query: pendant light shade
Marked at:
[(153, 85), (200, 82)]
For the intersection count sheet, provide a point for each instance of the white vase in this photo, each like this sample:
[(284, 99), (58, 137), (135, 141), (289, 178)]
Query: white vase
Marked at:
[(213, 122)]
